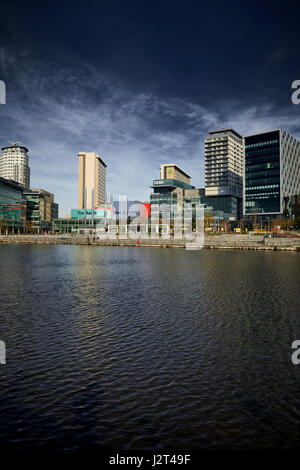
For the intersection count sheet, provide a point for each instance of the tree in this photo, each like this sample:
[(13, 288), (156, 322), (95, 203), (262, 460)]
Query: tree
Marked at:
[(208, 220), (29, 227), (225, 226), (296, 222), (283, 221)]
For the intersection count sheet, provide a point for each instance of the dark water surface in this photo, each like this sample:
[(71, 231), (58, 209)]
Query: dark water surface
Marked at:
[(144, 348)]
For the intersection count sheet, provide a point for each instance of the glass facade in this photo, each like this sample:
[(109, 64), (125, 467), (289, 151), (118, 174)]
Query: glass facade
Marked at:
[(34, 212), (262, 173), (158, 200), (169, 183), (77, 225), (41, 210), (169, 192), (219, 207), (11, 205), (173, 192)]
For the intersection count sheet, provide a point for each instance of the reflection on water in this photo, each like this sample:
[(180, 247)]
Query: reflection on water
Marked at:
[(142, 348)]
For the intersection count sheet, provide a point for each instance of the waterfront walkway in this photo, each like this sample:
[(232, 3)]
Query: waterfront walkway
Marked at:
[(230, 241)]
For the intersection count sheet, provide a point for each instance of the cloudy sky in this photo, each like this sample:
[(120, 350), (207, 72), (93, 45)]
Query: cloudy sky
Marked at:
[(141, 83)]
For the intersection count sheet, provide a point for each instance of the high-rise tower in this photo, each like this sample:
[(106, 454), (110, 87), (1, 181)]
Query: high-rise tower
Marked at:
[(14, 164), (91, 180), (272, 172), (224, 163)]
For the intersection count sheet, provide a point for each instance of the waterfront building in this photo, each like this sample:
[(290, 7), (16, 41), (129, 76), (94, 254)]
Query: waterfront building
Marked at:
[(169, 189), (14, 164), (91, 180), (12, 207), (79, 225), (224, 163), (221, 208), (84, 220), (92, 220), (41, 210), (224, 174), (179, 191), (272, 173)]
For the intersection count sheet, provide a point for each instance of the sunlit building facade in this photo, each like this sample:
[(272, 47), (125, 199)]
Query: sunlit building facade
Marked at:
[(169, 190), (41, 210), (14, 164), (91, 180), (224, 163)]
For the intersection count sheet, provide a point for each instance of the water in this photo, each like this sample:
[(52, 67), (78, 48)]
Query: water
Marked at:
[(144, 348)]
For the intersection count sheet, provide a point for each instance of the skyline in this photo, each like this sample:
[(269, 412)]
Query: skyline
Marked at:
[(84, 96)]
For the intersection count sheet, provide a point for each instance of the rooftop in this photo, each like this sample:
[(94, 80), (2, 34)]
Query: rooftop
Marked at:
[(14, 145), (177, 167), (94, 154), (222, 131)]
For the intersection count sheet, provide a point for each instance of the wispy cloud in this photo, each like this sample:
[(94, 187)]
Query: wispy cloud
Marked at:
[(57, 113)]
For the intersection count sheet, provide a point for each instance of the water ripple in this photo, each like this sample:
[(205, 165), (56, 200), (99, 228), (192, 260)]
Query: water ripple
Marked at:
[(148, 349)]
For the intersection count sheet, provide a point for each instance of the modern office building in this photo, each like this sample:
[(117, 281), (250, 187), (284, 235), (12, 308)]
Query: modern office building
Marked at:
[(91, 180), (224, 163), (90, 220), (12, 207), (224, 174), (170, 188), (41, 210), (221, 208), (272, 172), (169, 192), (84, 221), (178, 190), (81, 225), (14, 164)]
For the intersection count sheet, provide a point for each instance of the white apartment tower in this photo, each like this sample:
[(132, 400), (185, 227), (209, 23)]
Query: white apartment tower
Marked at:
[(224, 163), (14, 164)]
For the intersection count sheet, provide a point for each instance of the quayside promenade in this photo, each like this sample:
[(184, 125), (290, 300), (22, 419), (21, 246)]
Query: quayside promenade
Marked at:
[(231, 241)]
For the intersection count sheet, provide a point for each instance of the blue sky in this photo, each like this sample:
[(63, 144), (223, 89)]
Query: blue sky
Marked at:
[(141, 84)]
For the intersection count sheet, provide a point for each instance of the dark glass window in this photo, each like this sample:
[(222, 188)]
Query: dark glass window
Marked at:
[(262, 173)]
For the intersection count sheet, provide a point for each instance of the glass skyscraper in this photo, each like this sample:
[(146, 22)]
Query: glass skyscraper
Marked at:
[(272, 172)]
